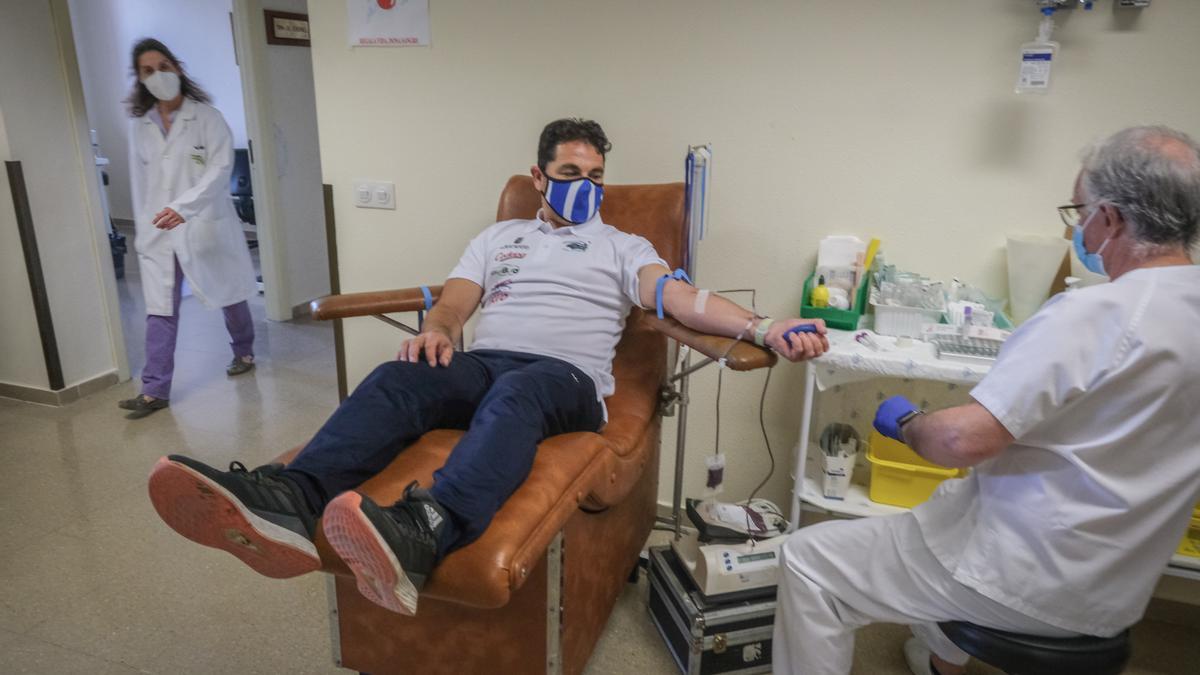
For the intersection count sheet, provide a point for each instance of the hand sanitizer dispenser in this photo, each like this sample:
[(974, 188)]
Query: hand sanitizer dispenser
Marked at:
[(1037, 58)]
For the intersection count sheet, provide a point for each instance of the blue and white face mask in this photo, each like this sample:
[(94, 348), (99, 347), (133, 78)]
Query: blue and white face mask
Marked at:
[(1092, 261), (575, 201)]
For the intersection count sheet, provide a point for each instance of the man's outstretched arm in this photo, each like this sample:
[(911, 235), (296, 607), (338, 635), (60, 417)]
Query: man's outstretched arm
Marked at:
[(955, 437), (717, 316), (444, 323)]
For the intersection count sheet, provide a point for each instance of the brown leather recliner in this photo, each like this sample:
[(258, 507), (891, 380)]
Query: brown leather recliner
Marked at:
[(534, 592)]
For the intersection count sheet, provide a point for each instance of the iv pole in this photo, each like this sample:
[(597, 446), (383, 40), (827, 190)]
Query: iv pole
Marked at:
[(697, 167)]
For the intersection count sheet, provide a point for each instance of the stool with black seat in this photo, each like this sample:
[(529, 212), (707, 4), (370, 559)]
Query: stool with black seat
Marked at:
[(1018, 654)]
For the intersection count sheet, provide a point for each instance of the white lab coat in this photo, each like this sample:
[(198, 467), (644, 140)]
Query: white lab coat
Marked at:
[(188, 171), (1075, 521)]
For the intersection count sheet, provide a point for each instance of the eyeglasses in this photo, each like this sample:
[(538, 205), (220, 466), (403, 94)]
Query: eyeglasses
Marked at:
[(1070, 214)]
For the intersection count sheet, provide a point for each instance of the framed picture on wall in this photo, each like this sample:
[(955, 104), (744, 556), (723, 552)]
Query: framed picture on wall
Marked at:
[(286, 28)]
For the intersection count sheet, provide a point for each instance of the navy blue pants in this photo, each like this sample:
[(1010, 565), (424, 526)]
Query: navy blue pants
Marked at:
[(506, 401)]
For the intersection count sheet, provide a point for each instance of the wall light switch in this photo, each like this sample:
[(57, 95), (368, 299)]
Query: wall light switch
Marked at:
[(370, 194), (385, 195), (362, 194)]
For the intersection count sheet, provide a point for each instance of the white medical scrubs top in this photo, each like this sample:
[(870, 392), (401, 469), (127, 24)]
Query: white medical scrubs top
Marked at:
[(1074, 523), (560, 292)]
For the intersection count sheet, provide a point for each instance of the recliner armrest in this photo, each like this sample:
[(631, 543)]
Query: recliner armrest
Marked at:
[(743, 356), (370, 303)]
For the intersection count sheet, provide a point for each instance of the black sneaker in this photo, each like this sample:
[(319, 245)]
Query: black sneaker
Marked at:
[(241, 365), (391, 551), (142, 405), (258, 516)]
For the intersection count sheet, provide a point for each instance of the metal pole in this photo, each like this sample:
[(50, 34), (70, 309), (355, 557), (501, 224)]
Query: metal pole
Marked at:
[(396, 324), (680, 444), (800, 456), (684, 372)]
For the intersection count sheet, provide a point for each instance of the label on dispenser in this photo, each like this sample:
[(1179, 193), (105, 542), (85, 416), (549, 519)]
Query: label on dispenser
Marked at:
[(1035, 68)]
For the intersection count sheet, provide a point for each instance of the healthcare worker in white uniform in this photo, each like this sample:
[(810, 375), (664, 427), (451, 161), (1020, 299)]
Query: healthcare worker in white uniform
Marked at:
[(1083, 440), (181, 158)]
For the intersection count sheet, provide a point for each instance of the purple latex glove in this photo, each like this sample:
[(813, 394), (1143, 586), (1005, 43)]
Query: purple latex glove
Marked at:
[(887, 417)]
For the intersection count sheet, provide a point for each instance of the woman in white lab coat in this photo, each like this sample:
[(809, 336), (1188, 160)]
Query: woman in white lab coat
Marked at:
[(181, 157)]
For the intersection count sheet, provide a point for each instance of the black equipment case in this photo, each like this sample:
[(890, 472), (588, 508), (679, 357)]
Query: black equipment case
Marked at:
[(722, 634)]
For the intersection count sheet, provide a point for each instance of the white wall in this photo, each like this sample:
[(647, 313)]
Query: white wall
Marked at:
[(891, 119), (199, 34), (45, 129), (20, 344)]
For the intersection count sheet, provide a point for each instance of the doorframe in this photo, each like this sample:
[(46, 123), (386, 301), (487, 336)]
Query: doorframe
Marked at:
[(247, 21), (249, 47), (60, 13)]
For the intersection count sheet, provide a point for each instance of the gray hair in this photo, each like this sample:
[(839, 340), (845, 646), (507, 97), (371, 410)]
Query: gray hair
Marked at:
[(1152, 175)]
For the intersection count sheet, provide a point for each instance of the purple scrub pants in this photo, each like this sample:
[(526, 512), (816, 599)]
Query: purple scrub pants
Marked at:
[(161, 332)]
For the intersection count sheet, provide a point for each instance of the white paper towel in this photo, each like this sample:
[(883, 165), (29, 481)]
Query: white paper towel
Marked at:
[(1033, 260)]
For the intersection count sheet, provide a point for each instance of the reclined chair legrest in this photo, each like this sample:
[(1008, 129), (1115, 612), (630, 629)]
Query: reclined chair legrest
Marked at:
[(534, 593)]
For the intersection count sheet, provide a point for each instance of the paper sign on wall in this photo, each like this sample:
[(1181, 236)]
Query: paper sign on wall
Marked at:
[(388, 23)]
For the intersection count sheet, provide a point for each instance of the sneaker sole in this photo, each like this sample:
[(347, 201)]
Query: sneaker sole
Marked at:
[(378, 573), (201, 510)]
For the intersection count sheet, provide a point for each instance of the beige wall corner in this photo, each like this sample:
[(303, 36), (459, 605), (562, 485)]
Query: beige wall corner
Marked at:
[(46, 130)]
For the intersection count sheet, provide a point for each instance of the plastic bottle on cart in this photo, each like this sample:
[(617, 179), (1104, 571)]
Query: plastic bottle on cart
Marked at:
[(820, 294)]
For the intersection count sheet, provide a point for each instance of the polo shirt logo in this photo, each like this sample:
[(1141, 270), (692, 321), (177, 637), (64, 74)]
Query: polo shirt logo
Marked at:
[(505, 271), (499, 292), (509, 255), (576, 246)]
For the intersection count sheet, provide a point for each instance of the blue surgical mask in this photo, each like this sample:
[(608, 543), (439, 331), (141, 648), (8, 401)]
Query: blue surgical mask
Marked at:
[(1092, 261), (575, 201)]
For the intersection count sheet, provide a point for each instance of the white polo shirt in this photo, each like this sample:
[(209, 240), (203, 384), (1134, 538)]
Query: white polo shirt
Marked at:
[(1073, 524), (560, 292)]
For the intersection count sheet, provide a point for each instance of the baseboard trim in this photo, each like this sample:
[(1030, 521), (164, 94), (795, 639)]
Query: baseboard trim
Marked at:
[(663, 510), (61, 397)]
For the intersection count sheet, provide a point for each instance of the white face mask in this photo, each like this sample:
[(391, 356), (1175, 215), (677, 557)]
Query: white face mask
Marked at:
[(163, 84)]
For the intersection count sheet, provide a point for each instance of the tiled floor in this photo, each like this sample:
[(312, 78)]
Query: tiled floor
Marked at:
[(92, 582)]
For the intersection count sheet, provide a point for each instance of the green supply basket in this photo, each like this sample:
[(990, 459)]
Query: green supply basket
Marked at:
[(844, 319)]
